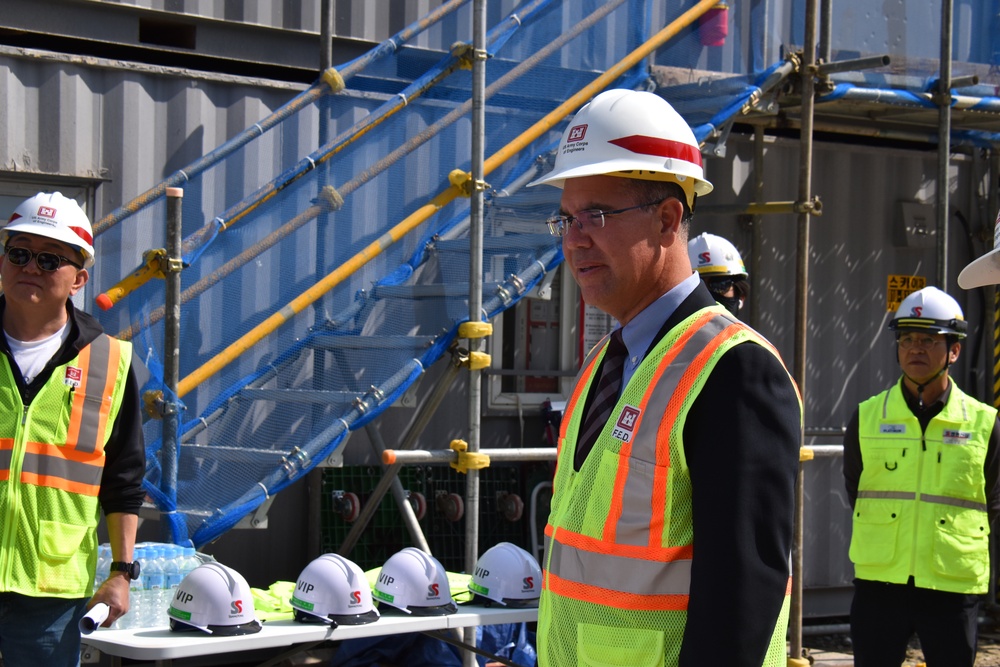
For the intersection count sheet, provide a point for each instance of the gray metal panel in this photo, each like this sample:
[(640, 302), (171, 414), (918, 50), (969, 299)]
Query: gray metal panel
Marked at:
[(358, 19)]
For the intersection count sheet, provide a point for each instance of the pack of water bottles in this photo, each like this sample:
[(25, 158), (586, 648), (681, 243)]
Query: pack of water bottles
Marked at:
[(162, 567)]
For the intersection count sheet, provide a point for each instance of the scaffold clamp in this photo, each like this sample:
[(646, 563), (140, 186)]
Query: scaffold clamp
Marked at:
[(475, 329), (467, 460)]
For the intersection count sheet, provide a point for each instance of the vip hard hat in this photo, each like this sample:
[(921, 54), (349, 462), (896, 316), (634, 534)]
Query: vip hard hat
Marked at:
[(52, 215), (507, 574), (930, 310), (215, 599), (416, 583), (633, 134), (713, 255), (986, 269), (333, 589)]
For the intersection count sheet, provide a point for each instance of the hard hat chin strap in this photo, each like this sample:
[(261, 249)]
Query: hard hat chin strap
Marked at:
[(921, 387)]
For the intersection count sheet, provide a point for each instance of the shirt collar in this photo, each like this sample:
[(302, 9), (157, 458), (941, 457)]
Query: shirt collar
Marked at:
[(638, 334)]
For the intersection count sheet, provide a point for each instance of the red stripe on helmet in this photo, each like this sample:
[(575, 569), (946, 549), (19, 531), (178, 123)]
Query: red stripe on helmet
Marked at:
[(638, 143), (15, 215), (83, 234)]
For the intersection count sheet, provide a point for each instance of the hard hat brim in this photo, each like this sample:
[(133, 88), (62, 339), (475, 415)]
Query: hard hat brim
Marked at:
[(982, 271), (609, 167)]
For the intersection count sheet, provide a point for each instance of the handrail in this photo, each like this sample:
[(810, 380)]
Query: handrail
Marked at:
[(457, 187), (417, 88), (387, 47)]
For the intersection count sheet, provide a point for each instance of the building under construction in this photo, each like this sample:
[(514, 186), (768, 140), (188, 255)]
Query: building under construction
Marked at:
[(306, 211)]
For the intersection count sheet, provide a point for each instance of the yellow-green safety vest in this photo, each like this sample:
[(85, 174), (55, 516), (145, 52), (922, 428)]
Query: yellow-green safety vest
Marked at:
[(51, 462), (921, 505), (618, 544)]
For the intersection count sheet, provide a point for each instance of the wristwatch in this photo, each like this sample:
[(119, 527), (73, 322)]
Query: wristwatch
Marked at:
[(130, 569)]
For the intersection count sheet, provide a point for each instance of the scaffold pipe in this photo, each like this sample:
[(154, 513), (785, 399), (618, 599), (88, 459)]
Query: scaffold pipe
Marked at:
[(441, 199)]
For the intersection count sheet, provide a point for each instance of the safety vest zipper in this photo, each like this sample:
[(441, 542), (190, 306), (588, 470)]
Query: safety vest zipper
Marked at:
[(917, 501), (13, 492)]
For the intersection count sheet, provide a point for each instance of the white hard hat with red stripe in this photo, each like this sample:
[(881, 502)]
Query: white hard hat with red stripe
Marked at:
[(52, 215), (633, 134)]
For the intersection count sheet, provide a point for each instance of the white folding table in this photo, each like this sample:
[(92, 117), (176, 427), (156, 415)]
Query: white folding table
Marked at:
[(162, 646)]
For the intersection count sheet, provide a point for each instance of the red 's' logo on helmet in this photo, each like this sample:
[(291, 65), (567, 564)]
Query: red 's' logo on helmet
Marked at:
[(355, 597), (704, 258), (577, 133), (916, 311)]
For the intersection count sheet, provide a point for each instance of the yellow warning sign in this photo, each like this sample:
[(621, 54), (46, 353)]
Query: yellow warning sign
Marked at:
[(899, 288)]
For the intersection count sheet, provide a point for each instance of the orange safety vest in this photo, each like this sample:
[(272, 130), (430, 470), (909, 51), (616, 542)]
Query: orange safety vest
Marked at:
[(618, 549), (51, 463)]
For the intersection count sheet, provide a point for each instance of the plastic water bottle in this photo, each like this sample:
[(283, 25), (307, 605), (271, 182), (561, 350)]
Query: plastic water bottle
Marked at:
[(102, 570), (151, 575), (189, 562), (135, 597), (173, 555)]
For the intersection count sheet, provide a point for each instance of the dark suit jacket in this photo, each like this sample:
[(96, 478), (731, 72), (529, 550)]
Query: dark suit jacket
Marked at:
[(741, 440)]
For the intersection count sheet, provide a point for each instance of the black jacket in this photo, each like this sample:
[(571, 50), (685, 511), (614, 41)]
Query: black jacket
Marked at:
[(125, 454)]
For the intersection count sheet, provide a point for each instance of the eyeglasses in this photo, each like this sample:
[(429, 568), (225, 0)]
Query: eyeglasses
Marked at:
[(46, 261), (593, 217), (719, 285), (920, 342)]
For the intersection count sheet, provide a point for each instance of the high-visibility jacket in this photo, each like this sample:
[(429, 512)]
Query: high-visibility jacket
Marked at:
[(51, 462), (618, 557), (921, 505)]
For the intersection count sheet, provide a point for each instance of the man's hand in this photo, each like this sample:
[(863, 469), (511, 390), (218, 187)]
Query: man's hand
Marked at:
[(114, 593)]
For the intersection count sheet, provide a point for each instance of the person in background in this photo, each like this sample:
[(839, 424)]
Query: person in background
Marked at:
[(70, 440), (673, 495), (923, 478), (719, 264)]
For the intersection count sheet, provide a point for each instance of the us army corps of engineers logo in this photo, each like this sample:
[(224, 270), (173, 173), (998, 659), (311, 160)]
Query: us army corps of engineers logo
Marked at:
[(625, 425)]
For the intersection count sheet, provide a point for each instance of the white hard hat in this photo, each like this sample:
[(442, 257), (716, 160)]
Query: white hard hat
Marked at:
[(508, 574), (416, 583), (986, 269), (54, 216), (333, 589), (633, 134), (713, 255), (215, 599), (930, 310)]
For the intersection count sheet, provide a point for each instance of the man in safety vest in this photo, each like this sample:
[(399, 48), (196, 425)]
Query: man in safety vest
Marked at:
[(670, 529), (70, 440), (922, 472)]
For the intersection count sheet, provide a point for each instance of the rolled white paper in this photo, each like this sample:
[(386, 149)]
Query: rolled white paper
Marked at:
[(93, 619)]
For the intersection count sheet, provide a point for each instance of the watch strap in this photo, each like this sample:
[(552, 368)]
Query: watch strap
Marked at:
[(131, 570)]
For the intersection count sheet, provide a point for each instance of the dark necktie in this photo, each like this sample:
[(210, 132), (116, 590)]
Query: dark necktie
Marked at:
[(605, 397)]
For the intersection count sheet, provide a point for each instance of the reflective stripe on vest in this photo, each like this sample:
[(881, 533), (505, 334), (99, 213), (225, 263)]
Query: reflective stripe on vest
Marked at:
[(75, 466), (90, 414), (635, 564), (924, 497)]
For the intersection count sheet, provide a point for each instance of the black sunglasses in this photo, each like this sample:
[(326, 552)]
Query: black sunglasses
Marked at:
[(719, 285), (46, 261)]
